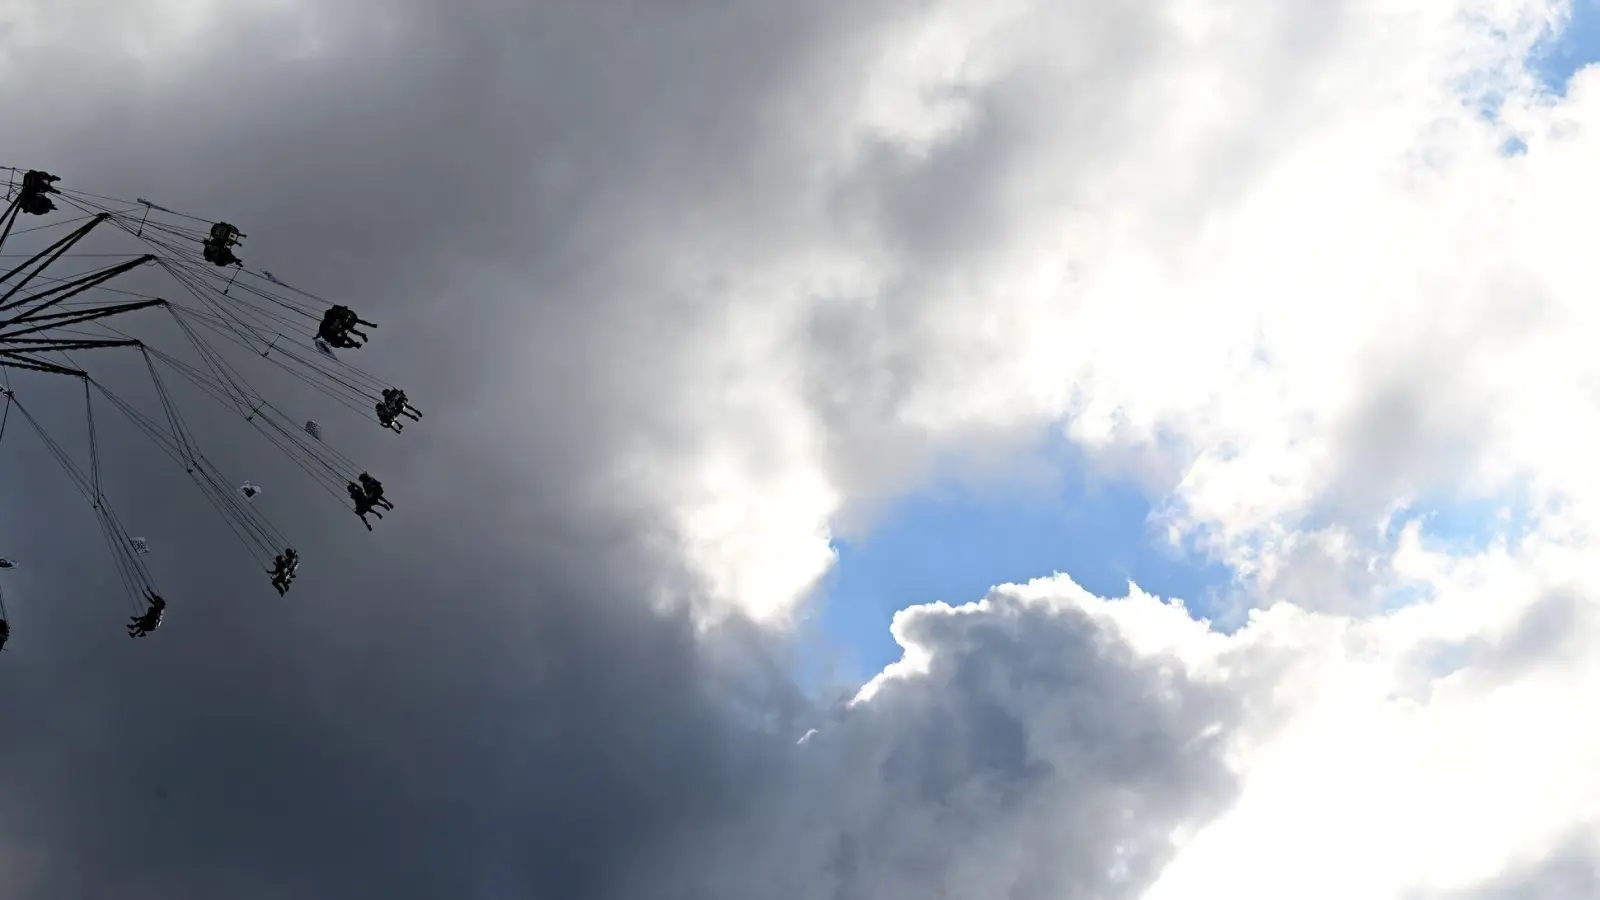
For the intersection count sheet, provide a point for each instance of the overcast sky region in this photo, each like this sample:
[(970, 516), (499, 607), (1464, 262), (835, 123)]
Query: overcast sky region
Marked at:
[(694, 294)]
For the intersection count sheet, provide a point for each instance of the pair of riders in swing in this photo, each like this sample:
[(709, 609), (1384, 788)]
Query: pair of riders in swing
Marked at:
[(368, 497), (394, 405), (34, 198)]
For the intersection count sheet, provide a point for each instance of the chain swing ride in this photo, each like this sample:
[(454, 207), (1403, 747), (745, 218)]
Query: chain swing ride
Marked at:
[(57, 305)]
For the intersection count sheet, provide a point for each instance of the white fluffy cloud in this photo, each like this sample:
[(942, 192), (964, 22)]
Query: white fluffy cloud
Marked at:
[(1271, 258), (1412, 754), (1277, 260), (1045, 742), (1048, 743)]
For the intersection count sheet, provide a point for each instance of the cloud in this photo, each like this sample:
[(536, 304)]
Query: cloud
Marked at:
[(1038, 752), (682, 288), (413, 731), (952, 226), (1048, 742), (1569, 871), (1434, 743)]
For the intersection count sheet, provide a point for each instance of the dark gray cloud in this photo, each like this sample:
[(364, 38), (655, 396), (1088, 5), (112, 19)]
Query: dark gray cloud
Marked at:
[(477, 699), (407, 730), (1038, 757)]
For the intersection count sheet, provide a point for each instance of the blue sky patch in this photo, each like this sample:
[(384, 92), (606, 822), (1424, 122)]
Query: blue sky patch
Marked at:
[(953, 542), (1557, 59), (1459, 526), (1462, 525)]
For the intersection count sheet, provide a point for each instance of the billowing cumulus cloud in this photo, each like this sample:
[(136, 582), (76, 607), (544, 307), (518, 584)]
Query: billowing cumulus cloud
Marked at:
[(1037, 751), (685, 287)]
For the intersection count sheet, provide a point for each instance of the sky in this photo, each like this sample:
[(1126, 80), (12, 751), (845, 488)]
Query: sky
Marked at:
[(1569, 49), (804, 385), (948, 542), (954, 540)]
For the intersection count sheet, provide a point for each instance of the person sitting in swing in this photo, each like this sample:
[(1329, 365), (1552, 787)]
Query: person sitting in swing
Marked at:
[(373, 489), (32, 198), (339, 325), (218, 248), (363, 505), (400, 404), (142, 625), (283, 569), (386, 417)]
